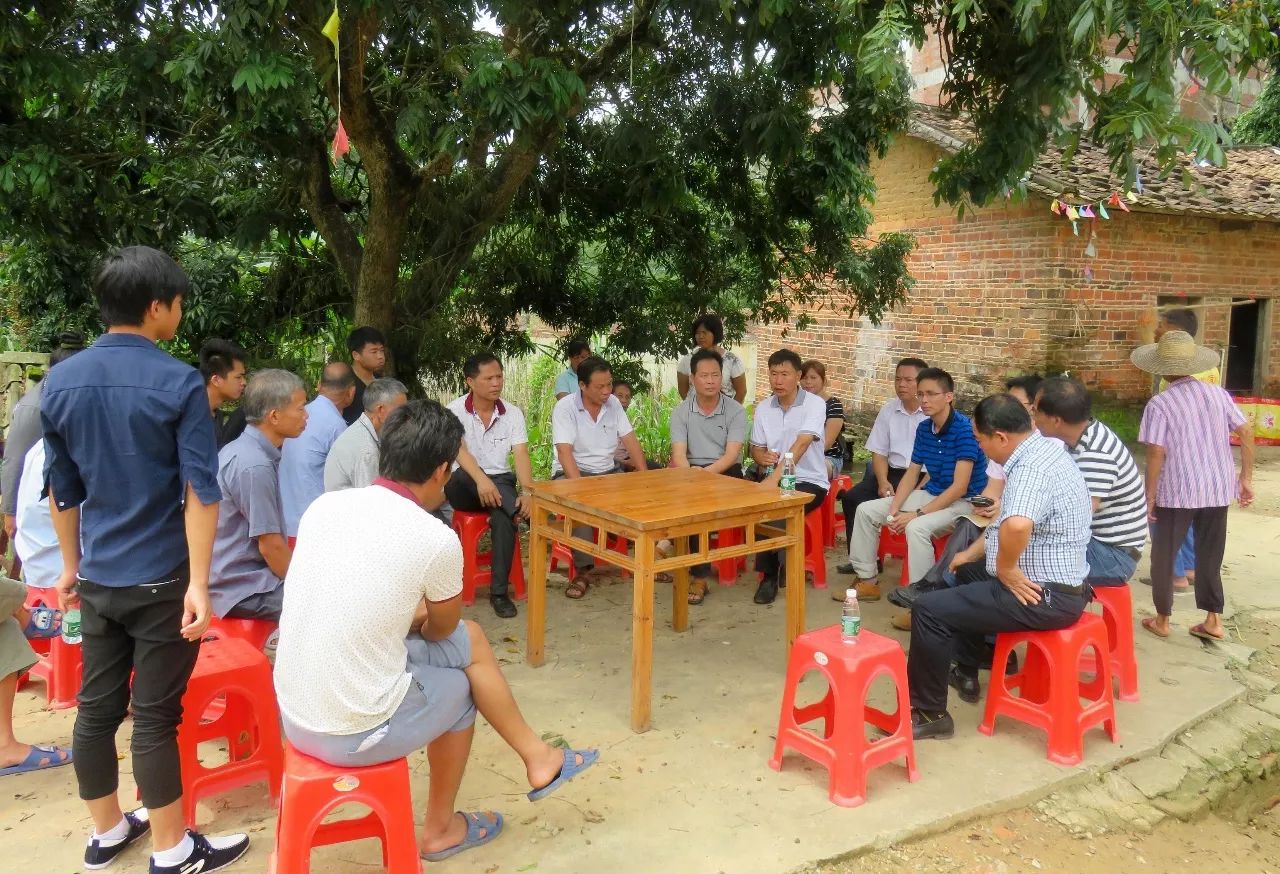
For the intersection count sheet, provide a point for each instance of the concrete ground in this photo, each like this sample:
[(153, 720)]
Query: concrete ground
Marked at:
[(695, 794)]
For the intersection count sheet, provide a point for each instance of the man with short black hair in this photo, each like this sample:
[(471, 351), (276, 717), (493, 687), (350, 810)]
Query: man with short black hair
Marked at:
[(576, 352), (251, 552), (483, 481), (222, 366), (352, 462), (892, 438), (1063, 409), (1024, 388), (368, 348), (125, 412), (1035, 563), (303, 457), (791, 420), (371, 675)]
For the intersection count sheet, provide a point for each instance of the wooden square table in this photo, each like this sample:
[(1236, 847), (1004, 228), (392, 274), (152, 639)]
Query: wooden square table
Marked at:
[(645, 507)]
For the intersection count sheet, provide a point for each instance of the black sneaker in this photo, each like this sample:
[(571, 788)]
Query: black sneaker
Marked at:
[(846, 568), (204, 856), (966, 683), (767, 591), (925, 726), (96, 856), (503, 606)]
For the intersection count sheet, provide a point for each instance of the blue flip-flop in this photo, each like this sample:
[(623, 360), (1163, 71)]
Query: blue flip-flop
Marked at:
[(43, 623), (475, 822), (35, 760), (568, 771)]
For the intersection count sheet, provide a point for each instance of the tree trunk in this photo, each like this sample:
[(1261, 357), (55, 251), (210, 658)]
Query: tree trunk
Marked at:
[(380, 265)]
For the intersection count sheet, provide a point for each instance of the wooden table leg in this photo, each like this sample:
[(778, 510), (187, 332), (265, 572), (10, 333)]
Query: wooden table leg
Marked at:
[(642, 636), (680, 588), (795, 576), (536, 608)]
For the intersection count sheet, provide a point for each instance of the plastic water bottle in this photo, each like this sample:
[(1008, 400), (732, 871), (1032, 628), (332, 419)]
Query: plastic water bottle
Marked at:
[(71, 626), (851, 618), (788, 481)]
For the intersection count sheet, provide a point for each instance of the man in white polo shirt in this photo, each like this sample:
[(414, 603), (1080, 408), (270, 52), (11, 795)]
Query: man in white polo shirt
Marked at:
[(483, 481), (792, 420), (370, 676), (585, 428)]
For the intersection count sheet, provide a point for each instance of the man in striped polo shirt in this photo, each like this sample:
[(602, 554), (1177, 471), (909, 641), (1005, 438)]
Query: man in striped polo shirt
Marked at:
[(1063, 409)]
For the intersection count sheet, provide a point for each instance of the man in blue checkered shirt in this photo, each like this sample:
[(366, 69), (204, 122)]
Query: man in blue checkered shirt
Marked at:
[(1035, 559)]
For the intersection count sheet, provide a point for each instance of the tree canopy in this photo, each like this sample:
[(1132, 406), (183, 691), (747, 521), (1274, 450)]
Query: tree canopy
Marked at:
[(611, 168)]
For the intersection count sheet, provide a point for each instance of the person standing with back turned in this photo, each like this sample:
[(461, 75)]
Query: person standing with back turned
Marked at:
[(132, 474)]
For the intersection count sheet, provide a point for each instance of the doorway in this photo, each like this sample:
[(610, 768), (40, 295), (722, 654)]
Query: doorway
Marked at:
[(1245, 345)]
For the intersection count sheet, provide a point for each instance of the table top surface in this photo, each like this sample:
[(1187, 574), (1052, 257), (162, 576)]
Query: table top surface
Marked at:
[(670, 496)]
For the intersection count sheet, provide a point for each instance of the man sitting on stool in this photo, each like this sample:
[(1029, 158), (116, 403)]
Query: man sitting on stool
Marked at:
[(1035, 561)]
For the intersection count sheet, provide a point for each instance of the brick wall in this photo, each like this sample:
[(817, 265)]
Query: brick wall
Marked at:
[(1002, 292)]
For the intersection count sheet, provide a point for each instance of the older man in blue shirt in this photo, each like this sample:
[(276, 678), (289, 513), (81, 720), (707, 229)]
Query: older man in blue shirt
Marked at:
[(302, 458), (1035, 558)]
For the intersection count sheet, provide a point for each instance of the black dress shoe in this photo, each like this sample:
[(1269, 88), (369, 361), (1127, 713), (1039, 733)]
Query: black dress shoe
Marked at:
[(931, 725), (1011, 664), (503, 606), (846, 568), (767, 591), (965, 683)]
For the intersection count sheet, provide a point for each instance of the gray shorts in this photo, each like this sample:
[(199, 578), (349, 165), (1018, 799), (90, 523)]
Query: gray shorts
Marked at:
[(263, 605), (438, 701)]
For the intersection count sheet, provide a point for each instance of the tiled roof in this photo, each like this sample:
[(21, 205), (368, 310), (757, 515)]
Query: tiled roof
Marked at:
[(1247, 187)]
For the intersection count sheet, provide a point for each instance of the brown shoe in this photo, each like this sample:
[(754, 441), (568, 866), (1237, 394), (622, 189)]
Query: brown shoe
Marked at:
[(868, 590), (902, 620)]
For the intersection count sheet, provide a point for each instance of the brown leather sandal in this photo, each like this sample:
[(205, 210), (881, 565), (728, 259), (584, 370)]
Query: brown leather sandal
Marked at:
[(577, 588)]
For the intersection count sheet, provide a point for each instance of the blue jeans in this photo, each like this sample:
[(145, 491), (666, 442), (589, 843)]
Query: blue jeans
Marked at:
[(1186, 558), (1108, 565)]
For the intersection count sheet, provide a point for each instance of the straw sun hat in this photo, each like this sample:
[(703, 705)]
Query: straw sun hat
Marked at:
[(1175, 355)]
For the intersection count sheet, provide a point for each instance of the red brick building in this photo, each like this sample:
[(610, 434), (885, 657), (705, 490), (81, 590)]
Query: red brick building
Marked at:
[(1012, 288)]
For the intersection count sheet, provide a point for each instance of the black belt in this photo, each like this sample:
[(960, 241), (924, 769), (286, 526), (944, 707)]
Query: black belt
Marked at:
[(1063, 588)]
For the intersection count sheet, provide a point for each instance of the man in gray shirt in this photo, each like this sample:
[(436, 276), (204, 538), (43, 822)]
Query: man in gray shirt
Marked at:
[(250, 552), (353, 459), (707, 431)]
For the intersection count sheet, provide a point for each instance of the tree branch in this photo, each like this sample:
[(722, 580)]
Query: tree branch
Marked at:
[(322, 205)]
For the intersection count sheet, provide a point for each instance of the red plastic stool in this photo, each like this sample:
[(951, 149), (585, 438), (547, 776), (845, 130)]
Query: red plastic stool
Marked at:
[(843, 747), (830, 513), (60, 664), (815, 558), (561, 554), (893, 544), (313, 788), (477, 567), (729, 568), (1117, 614), (1051, 686), (255, 632), (250, 723)]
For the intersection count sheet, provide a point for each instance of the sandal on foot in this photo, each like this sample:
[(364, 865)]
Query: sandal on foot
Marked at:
[(1150, 624), (1204, 634), (571, 768), (39, 759), (43, 623), (663, 577), (698, 591), (577, 588), (482, 827)]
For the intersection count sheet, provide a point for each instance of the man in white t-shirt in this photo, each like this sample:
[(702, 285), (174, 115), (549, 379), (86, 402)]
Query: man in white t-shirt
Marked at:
[(586, 427), (483, 482), (369, 674)]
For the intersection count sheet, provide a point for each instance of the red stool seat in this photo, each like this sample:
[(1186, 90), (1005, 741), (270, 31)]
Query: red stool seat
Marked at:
[(832, 509), (893, 544), (233, 669), (255, 632), (1051, 687), (561, 554), (313, 788), (60, 664), (843, 747), (477, 567), (1117, 614), (729, 568)]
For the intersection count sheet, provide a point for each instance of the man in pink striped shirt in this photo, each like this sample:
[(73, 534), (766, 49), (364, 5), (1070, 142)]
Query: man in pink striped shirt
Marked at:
[(1191, 474)]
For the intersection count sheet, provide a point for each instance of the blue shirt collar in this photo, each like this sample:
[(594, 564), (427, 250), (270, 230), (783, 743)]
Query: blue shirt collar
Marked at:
[(256, 435), (124, 340)]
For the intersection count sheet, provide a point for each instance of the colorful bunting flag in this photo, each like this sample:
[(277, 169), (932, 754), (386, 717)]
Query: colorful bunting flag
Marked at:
[(1086, 212), (1102, 211), (340, 143), (1072, 213), (1055, 208), (1075, 227)]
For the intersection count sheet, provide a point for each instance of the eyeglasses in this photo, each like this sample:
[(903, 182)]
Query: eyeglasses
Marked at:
[(929, 394)]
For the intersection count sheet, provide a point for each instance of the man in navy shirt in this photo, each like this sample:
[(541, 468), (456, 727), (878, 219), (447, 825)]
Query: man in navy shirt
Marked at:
[(947, 450), (132, 475)]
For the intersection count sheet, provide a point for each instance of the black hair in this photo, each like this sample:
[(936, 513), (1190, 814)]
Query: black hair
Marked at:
[(618, 382), (576, 347), (1065, 398), (471, 367), (714, 325), (786, 356), (1028, 382), (938, 375), (917, 363), (218, 357), (592, 365), (129, 280), (702, 355), (1182, 319), (337, 375), (1002, 412), (417, 438), (69, 343), (363, 336)]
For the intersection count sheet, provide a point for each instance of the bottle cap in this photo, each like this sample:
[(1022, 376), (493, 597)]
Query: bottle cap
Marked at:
[(851, 593)]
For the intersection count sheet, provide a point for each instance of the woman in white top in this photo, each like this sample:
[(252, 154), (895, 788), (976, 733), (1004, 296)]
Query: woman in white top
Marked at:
[(708, 332)]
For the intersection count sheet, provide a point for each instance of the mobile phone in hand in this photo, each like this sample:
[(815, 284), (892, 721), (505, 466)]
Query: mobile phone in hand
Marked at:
[(980, 501)]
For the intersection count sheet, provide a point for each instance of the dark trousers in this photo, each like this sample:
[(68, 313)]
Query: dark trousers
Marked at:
[(462, 494), (768, 563), (962, 537), (951, 624), (134, 629), (706, 571), (581, 560), (866, 490), (1167, 534)]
